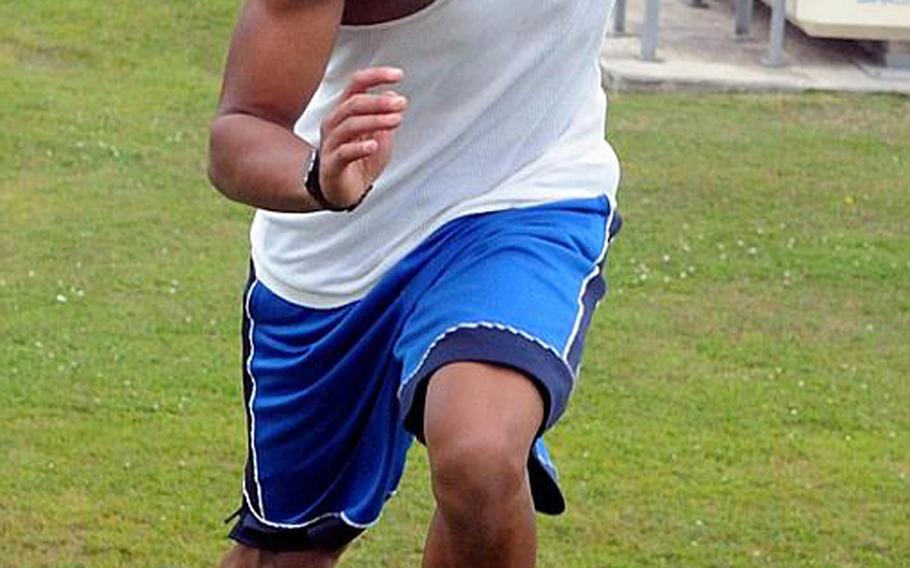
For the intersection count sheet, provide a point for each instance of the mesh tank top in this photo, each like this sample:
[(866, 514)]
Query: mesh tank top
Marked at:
[(505, 110)]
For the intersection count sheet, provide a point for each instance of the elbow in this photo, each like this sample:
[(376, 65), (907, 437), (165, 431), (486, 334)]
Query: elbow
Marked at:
[(214, 175), (216, 170)]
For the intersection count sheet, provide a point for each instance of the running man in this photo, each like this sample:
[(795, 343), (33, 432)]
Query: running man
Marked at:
[(434, 203)]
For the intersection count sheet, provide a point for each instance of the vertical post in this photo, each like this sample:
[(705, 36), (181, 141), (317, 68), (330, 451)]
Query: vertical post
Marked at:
[(743, 26), (619, 17), (649, 31), (896, 54), (778, 24)]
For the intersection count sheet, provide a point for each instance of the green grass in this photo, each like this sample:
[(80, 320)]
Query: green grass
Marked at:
[(745, 397)]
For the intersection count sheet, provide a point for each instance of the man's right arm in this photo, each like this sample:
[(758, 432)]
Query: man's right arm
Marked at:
[(276, 61)]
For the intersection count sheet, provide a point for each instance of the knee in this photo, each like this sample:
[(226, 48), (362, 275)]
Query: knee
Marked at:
[(479, 424), (477, 474)]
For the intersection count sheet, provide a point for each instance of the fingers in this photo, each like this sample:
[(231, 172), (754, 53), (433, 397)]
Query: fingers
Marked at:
[(357, 127), (366, 79), (359, 104), (353, 151)]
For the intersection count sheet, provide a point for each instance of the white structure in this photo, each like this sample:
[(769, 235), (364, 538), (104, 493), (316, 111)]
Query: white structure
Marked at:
[(882, 20), (887, 21)]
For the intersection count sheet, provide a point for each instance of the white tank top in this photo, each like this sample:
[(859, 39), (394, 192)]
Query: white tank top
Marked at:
[(505, 110)]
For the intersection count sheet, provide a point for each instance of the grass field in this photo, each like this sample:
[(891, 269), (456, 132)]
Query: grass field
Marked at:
[(745, 398)]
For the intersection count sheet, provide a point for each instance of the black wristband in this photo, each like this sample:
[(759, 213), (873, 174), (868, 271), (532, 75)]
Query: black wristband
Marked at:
[(314, 188)]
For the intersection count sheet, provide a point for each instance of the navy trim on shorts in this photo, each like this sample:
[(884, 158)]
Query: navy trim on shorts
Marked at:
[(330, 534), (490, 345), (595, 290)]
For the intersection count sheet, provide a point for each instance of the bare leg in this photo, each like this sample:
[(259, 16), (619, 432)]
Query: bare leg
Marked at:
[(245, 557), (480, 421), (436, 553)]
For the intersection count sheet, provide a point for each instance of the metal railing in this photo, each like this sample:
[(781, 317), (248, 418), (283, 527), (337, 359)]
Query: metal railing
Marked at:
[(619, 17), (649, 30), (778, 26), (742, 26)]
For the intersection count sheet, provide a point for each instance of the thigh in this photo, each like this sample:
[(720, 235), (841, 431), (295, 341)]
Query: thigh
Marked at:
[(474, 401)]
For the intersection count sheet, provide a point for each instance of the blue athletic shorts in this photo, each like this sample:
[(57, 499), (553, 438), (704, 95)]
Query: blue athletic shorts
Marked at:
[(334, 396)]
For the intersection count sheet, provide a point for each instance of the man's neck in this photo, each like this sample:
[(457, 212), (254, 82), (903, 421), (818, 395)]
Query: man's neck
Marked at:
[(366, 12)]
